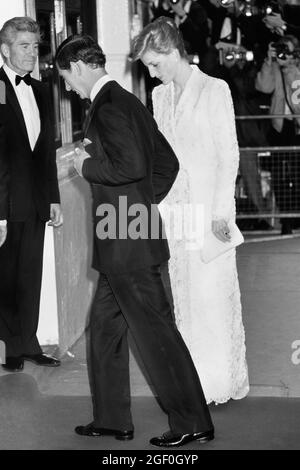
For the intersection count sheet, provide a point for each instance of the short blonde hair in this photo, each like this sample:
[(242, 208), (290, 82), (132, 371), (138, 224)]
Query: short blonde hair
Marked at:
[(161, 36)]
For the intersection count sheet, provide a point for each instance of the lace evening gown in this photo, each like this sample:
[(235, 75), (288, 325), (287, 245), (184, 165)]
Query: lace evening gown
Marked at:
[(201, 130)]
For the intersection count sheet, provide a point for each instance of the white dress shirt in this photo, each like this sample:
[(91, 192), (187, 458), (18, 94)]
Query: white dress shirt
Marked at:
[(29, 109), (28, 106), (98, 85)]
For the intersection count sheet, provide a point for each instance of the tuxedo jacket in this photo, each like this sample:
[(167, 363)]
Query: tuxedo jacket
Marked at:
[(131, 163), (28, 178)]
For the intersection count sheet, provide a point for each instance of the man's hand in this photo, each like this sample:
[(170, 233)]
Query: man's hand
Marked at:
[(275, 23), (271, 54), (79, 158), (221, 230), (55, 215), (3, 234)]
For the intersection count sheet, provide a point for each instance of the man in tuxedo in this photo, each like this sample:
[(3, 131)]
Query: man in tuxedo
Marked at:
[(131, 168), (29, 194)]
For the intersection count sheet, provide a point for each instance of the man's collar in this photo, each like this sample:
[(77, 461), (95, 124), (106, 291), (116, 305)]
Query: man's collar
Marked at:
[(98, 85), (10, 73)]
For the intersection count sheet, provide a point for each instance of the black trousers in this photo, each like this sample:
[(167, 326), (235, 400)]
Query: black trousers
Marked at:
[(21, 263), (137, 300)]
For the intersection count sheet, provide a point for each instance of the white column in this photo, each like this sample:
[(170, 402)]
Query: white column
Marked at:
[(114, 37), (48, 320), (10, 9)]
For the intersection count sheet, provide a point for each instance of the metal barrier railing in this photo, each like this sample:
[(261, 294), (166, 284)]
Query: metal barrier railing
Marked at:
[(250, 117), (268, 182)]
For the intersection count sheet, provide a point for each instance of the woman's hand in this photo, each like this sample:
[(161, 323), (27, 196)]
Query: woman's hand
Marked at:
[(221, 230)]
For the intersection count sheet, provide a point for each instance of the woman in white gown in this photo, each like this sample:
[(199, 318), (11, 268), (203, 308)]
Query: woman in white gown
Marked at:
[(195, 113)]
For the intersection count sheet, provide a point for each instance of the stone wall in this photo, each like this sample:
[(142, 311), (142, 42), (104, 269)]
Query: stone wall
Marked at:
[(73, 251)]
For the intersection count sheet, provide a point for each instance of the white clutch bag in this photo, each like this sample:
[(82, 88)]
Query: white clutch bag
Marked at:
[(213, 247)]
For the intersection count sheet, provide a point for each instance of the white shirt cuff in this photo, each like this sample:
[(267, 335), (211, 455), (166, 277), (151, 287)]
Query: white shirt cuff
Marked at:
[(3, 223)]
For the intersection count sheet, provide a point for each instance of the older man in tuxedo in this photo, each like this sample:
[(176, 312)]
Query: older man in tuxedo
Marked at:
[(29, 194), (129, 163)]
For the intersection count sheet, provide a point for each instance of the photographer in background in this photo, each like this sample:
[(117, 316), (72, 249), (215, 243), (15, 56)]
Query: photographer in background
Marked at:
[(278, 73)]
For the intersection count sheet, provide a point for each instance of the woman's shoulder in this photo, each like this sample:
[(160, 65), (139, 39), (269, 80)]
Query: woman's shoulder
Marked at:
[(216, 83), (210, 83), (159, 91)]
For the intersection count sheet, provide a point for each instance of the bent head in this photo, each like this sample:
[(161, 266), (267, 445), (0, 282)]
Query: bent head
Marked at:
[(80, 61), (160, 47), (19, 44)]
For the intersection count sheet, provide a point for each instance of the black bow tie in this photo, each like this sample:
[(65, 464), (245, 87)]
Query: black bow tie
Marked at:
[(26, 79)]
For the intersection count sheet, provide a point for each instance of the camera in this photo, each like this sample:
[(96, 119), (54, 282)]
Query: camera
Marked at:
[(283, 52), (254, 7), (235, 54)]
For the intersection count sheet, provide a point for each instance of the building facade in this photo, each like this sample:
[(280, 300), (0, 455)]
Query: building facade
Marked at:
[(68, 280)]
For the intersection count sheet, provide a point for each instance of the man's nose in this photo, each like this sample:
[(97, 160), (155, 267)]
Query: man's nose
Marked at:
[(152, 72), (34, 52)]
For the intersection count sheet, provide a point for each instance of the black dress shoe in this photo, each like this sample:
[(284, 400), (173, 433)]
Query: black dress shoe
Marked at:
[(92, 431), (170, 439), (42, 360), (13, 364)]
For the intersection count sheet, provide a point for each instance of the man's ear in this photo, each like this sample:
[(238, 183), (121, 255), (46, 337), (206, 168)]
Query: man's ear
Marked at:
[(75, 68), (81, 67), (5, 50)]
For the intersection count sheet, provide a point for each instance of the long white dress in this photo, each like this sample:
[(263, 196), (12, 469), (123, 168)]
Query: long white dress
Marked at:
[(201, 130)]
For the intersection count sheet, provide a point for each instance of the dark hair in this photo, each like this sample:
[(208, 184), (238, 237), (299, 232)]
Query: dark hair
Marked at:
[(290, 38), (161, 36), (76, 48), (18, 24)]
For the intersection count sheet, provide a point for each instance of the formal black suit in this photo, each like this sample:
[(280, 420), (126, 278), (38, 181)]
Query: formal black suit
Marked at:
[(28, 185), (130, 157)]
